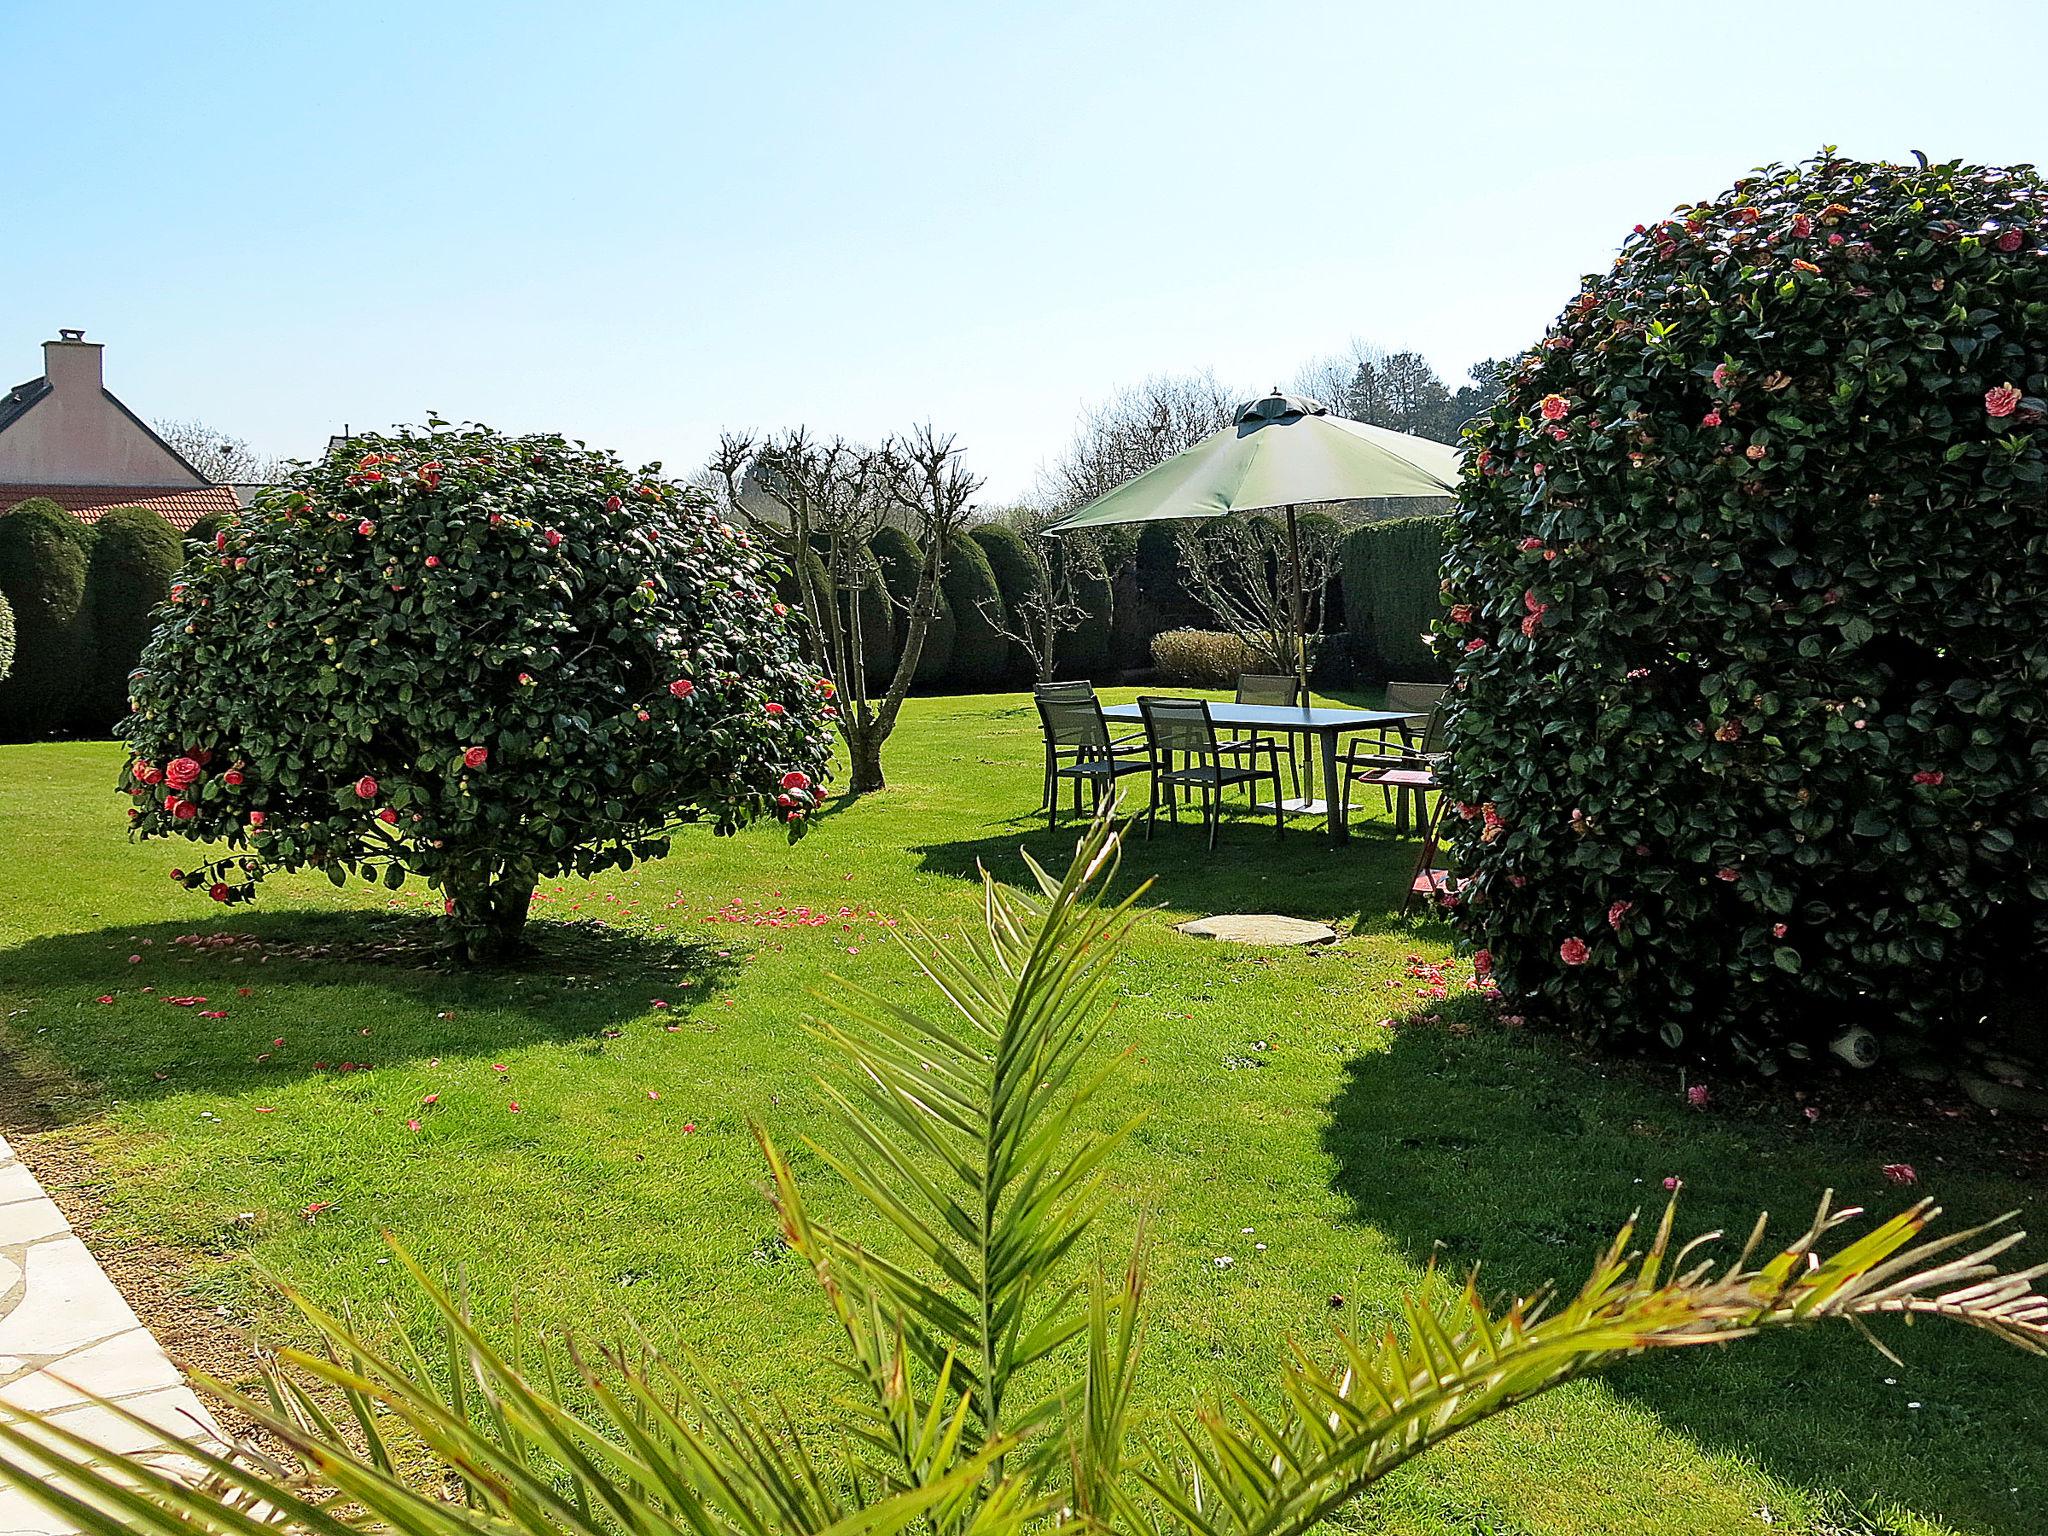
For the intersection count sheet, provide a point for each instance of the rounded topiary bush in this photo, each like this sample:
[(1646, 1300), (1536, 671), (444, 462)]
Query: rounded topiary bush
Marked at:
[(1749, 590), (135, 554), (980, 650), (476, 659), (1019, 577), (43, 553)]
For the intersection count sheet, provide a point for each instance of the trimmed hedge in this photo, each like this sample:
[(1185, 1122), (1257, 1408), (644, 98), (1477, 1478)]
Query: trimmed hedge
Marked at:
[(901, 563), (6, 637), (1392, 574), (1204, 658), (135, 553), (1018, 577), (43, 557), (980, 650), (1750, 587)]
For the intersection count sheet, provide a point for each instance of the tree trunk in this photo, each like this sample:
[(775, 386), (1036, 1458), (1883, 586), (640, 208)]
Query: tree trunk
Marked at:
[(864, 751), (489, 918)]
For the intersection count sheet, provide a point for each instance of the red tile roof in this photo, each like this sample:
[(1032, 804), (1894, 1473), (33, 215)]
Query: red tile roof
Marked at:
[(180, 507)]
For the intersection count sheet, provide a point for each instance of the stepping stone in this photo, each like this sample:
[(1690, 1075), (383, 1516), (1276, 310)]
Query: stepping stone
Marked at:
[(1259, 928)]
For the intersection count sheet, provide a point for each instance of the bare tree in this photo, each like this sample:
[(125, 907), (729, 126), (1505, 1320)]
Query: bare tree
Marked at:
[(1129, 433), (1049, 607), (221, 457), (1334, 379), (819, 504), (1238, 568)]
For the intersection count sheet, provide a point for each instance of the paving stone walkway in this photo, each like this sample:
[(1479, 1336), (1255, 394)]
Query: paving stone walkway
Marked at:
[(60, 1316)]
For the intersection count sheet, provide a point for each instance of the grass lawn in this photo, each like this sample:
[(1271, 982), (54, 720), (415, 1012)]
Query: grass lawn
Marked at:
[(1283, 1113)]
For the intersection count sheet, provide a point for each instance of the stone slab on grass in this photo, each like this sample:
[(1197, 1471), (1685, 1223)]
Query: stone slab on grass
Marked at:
[(1264, 928)]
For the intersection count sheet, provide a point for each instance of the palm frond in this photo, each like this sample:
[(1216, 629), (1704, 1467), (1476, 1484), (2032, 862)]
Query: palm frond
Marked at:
[(1457, 1362), (965, 1144)]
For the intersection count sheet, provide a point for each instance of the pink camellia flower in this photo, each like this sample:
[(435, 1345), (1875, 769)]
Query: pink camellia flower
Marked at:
[(1802, 226), (1727, 874), (1697, 1096), (1532, 542), (366, 788), (1930, 776), (181, 772), (184, 810), (1617, 912), (1555, 407), (2011, 240), (1532, 623), (612, 504), (218, 892), (366, 527), (1475, 644), (551, 537), (475, 757), (1461, 613), (1900, 1173), (642, 715), (1755, 452), (1573, 951), (526, 679), (774, 710), (781, 609), (433, 562), (388, 816), (2002, 400), (682, 688), (793, 816), (1482, 963), (256, 818), (1779, 930), (1720, 375), (796, 778), (1532, 602), (1711, 419)]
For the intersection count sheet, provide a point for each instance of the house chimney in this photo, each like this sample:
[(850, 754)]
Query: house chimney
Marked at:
[(72, 365)]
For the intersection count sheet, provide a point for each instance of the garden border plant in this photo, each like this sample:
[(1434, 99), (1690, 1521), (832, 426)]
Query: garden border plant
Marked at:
[(1748, 591), (477, 659)]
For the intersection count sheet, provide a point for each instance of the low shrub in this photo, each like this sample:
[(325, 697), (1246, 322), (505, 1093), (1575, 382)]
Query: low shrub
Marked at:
[(43, 560), (1204, 658)]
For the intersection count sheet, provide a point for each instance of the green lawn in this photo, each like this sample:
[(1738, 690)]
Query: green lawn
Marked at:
[(1282, 1111)]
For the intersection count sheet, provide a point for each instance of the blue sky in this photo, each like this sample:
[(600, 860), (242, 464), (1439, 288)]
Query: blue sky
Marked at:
[(642, 222)]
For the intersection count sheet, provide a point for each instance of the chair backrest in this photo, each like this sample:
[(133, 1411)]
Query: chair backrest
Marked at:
[(1078, 688), (1414, 699), (1264, 688), (1075, 722), (1435, 738), (1179, 725)]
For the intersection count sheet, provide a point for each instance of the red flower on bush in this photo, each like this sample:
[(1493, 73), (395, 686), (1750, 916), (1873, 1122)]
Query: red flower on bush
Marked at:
[(612, 503), (1475, 644), (826, 688), (775, 710), (183, 810), (1573, 951), (1617, 912), (232, 777), (2011, 240), (2002, 400), (552, 538), (1711, 419), (366, 788), (475, 757), (1532, 542), (1554, 408), (433, 562), (388, 816), (366, 527), (256, 818), (218, 891), (181, 772), (1931, 776), (1461, 613), (796, 778), (682, 687)]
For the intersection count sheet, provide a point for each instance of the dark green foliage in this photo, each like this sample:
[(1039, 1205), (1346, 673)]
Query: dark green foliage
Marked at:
[(1018, 577), (1392, 575), (476, 659), (203, 532), (880, 625), (980, 652), (901, 562), (135, 553), (1089, 652), (43, 554), (6, 637), (1751, 575)]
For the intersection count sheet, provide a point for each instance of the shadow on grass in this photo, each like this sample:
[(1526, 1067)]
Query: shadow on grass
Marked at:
[(1468, 1141), (340, 990), (1356, 888)]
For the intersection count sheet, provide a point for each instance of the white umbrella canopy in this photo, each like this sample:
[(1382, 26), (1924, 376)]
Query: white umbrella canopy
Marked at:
[(1282, 452)]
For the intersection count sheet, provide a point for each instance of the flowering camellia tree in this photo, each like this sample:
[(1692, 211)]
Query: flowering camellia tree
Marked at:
[(1749, 591), (476, 659)]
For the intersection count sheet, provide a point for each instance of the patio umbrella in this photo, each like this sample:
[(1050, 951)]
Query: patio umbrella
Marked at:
[(1281, 452)]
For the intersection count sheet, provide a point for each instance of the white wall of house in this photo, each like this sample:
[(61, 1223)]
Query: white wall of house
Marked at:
[(77, 435)]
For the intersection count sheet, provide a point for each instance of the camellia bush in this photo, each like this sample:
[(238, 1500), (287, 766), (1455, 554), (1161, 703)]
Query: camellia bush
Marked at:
[(479, 660), (1748, 591)]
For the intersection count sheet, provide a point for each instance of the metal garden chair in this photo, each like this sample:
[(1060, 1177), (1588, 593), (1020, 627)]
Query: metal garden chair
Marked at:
[(1078, 748), (1129, 744), (1185, 754), (1282, 691), (1400, 770)]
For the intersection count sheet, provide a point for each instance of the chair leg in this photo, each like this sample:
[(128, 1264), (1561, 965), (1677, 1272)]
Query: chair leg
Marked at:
[(1052, 805), (1279, 810), (1212, 812), (1152, 805)]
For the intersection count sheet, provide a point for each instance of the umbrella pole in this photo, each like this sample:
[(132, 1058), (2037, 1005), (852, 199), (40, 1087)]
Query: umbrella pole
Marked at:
[(1294, 603)]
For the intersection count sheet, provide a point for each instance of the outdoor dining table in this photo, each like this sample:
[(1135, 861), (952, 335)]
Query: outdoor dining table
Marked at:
[(1325, 725)]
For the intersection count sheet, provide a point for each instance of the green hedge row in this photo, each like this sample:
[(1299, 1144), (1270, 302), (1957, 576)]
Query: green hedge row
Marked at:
[(1392, 575), (82, 599)]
